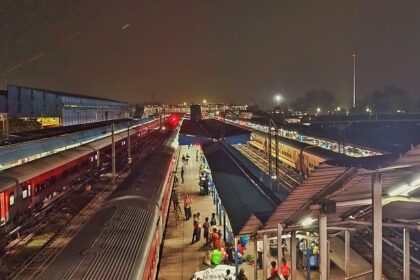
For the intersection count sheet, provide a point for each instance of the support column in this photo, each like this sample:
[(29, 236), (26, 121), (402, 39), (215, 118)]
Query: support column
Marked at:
[(224, 226), (347, 253), (293, 257), (279, 244), (328, 259), (113, 154), (377, 225), (323, 247), (265, 256), (406, 267), (128, 143), (235, 252), (256, 257)]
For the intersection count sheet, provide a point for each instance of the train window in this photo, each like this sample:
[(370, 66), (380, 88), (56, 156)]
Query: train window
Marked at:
[(24, 194), (12, 199), (29, 190)]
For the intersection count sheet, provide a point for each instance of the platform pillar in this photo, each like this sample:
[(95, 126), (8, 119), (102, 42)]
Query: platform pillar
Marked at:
[(265, 263), (347, 253), (323, 247), (279, 244), (256, 257), (293, 256), (406, 252)]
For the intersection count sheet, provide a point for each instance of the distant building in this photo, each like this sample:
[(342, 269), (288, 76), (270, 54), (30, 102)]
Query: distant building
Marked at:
[(195, 112), (54, 108)]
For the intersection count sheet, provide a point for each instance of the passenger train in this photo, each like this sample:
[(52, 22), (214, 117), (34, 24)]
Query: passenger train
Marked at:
[(122, 240), (297, 155), (24, 187)]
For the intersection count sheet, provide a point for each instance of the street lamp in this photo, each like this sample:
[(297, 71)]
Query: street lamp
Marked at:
[(204, 101), (185, 103), (278, 98), (318, 110)]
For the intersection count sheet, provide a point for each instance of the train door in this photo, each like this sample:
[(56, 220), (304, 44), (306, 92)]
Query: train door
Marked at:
[(4, 207)]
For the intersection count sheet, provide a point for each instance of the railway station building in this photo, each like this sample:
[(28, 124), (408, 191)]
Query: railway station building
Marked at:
[(54, 108)]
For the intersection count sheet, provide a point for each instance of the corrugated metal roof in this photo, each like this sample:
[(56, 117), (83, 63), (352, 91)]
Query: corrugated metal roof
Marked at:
[(316, 182), (320, 186), (246, 206)]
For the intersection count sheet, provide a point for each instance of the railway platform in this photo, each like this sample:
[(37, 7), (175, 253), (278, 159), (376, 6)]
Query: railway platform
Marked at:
[(180, 259)]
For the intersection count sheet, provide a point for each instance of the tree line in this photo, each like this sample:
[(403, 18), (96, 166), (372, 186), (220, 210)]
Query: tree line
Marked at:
[(391, 99)]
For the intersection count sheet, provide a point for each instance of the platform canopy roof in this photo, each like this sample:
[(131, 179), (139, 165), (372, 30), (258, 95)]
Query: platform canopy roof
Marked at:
[(246, 206), (350, 189)]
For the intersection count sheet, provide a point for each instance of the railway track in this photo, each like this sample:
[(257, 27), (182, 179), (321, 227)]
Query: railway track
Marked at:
[(35, 265), (392, 259), (285, 177)]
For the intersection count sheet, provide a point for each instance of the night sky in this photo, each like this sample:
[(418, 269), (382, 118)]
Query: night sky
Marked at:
[(241, 51)]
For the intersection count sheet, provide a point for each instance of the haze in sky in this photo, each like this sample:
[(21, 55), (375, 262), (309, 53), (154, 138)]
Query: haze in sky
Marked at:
[(224, 51)]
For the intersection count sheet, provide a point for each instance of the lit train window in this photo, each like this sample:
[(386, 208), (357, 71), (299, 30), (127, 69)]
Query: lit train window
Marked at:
[(24, 194), (29, 190), (12, 199)]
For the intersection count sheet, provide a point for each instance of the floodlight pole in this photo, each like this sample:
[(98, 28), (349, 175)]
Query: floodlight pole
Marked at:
[(354, 81)]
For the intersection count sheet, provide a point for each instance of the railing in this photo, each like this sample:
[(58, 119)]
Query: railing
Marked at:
[(367, 275)]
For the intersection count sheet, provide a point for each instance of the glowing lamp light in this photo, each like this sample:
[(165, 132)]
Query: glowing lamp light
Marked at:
[(405, 189), (308, 221)]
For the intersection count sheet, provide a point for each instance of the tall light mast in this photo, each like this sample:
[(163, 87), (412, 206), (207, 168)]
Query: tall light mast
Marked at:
[(354, 81)]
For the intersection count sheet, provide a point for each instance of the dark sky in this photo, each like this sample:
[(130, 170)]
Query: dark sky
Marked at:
[(223, 51)]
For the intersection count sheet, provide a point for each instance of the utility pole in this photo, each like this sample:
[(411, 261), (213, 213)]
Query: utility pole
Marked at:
[(113, 154), (128, 143), (354, 81)]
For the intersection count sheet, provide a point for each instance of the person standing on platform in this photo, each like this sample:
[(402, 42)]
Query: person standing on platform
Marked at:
[(200, 221), (274, 272), (285, 269), (187, 207), (241, 275), (206, 227), (175, 199), (216, 239), (213, 219), (195, 231), (182, 175), (228, 275)]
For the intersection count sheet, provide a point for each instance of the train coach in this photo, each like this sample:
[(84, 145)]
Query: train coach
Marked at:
[(123, 239), (297, 155), (24, 187)]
